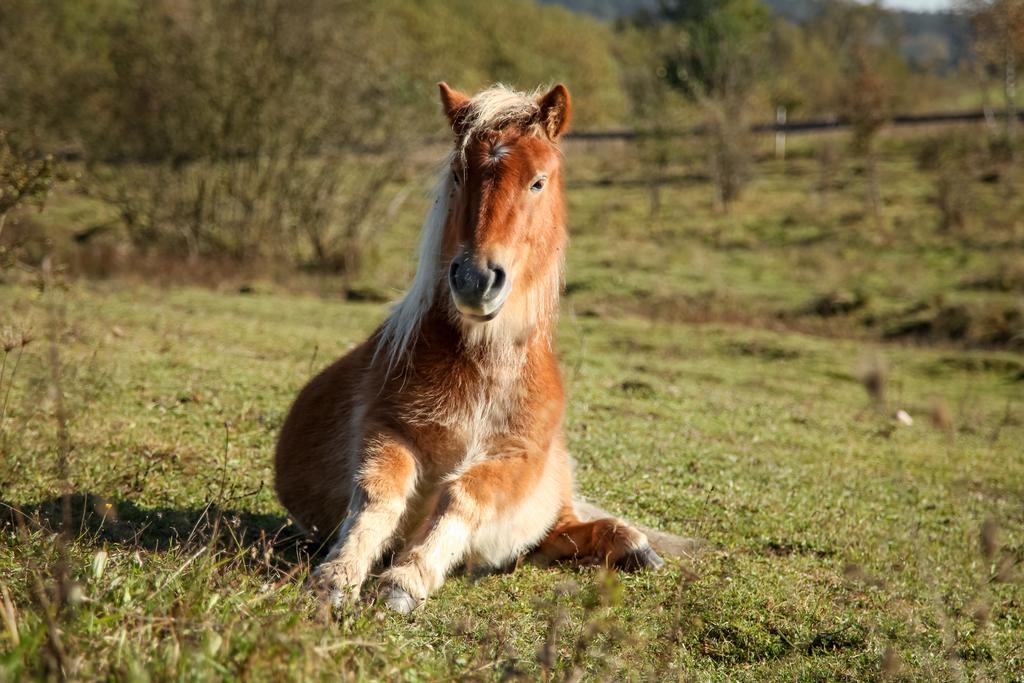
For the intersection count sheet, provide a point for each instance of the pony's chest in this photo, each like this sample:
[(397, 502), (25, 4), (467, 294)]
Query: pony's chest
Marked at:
[(456, 428)]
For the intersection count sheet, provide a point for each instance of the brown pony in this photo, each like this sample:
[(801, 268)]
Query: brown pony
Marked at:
[(441, 435)]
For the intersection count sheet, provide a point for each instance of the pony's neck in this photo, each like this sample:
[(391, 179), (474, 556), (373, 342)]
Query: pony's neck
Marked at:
[(505, 339)]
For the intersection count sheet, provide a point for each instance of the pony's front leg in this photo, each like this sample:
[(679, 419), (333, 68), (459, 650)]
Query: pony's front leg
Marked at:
[(381, 490), (477, 497)]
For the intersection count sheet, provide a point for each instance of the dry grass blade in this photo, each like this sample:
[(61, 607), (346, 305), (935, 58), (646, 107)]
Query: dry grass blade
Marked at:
[(874, 375), (178, 572), (9, 613), (989, 539)]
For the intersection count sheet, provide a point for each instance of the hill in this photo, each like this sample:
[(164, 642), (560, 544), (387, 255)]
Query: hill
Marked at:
[(931, 40)]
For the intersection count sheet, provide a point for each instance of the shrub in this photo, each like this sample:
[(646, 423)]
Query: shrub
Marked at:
[(23, 180)]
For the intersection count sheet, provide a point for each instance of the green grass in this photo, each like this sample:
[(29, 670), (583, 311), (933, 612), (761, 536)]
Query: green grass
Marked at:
[(836, 538), (705, 399)]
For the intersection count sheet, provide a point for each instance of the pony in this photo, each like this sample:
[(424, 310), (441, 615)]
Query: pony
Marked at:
[(440, 437)]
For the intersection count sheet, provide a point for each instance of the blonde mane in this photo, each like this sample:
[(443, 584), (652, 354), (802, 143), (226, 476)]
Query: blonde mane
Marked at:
[(492, 109)]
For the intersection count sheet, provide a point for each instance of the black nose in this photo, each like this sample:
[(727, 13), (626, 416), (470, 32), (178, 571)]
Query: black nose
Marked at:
[(475, 286)]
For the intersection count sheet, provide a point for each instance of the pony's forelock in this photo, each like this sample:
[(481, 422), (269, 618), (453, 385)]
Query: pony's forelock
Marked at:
[(495, 108)]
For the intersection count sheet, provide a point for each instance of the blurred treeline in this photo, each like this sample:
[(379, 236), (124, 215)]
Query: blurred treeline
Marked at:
[(249, 130), (268, 129), (154, 80)]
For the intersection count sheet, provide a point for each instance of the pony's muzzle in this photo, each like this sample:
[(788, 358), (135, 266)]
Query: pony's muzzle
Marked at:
[(478, 291)]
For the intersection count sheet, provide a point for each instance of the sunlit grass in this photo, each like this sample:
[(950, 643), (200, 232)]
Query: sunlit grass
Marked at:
[(717, 366), (839, 542)]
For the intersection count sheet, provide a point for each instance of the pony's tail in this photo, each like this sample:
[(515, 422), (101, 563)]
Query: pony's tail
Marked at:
[(664, 543)]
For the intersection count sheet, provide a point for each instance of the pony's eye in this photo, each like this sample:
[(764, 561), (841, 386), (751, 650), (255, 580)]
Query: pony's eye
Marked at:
[(538, 184)]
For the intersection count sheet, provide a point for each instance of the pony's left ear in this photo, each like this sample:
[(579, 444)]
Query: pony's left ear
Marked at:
[(555, 111)]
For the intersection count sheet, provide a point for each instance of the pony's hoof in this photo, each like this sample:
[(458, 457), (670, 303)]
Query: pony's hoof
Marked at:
[(329, 579), (399, 599), (336, 599), (341, 598), (641, 558)]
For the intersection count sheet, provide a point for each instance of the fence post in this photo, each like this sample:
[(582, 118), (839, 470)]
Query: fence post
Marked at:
[(780, 133)]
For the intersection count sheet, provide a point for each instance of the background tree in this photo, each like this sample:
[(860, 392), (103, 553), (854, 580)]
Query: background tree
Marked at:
[(807, 71), (657, 112), (867, 90), (269, 130), (717, 61), (999, 43), (23, 178)]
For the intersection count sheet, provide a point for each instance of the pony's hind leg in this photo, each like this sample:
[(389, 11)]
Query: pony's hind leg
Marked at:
[(382, 488), (607, 541)]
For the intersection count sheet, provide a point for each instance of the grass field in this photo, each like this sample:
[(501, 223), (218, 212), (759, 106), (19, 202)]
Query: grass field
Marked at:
[(838, 542)]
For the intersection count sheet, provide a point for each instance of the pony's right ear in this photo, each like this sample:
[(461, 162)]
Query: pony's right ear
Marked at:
[(454, 104)]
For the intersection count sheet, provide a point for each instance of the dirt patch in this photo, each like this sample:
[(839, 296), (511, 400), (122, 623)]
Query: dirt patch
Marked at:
[(784, 549), (763, 350), (980, 325), (637, 389), (1002, 366), (835, 303), (1006, 277)]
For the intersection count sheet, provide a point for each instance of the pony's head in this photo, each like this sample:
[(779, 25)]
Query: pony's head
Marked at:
[(493, 244), (505, 233)]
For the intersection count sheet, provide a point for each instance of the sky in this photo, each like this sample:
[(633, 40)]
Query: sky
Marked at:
[(919, 4)]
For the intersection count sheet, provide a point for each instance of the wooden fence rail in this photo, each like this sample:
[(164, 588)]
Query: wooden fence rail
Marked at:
[(796, 127)]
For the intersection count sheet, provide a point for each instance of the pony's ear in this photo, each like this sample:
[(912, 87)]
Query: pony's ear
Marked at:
[(555, 111), (454, 104)]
